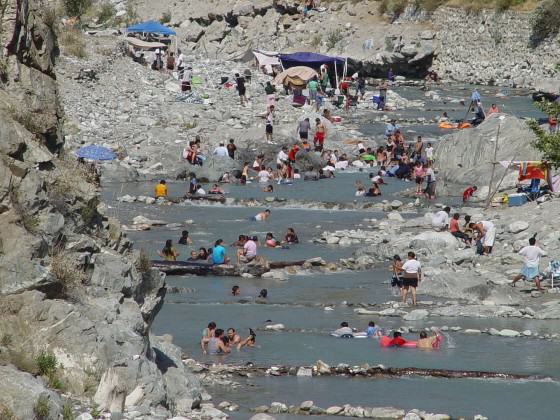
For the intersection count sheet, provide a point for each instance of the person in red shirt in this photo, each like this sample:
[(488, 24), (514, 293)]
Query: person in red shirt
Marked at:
[(293, 152), (455, 230), (397, 340), (469, 192)]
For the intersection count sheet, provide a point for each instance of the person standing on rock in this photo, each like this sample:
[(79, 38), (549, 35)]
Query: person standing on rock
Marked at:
[(241, 89), (231, 148), (269, 124), (530, 270), (383, 91), (313, 86), (320, 134), (412, 276), (221, 150), (303, 129), (180, 65), (430, 190)]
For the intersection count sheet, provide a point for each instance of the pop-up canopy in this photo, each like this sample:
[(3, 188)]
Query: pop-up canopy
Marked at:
[(314, 60), (150, 27)]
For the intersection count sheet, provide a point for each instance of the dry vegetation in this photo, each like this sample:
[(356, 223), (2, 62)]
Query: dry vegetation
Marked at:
[(65, 269), (72, 42)]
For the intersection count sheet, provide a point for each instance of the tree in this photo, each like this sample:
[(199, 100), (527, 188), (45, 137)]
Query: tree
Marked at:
[(76, 8), (547, 143)]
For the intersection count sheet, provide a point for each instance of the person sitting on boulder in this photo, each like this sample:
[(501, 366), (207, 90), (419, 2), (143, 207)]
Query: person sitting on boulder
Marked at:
[(440, 220), (455, 230)]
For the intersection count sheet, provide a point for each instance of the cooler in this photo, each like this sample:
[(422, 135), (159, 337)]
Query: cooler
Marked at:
[(517, 199)]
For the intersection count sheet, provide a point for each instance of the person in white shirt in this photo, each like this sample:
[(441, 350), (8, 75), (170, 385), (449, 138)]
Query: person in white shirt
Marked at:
[(180, 65), (282, 156), (221, 151), (264, 176), (430, 153), (411, 276), (344, 331), (200, 191), (440, 220), (530, 269)]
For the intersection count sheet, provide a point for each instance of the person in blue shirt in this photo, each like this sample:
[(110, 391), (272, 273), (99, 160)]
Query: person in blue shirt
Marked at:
[(373, 331), (219, 253), (390, 128), (475, 97)]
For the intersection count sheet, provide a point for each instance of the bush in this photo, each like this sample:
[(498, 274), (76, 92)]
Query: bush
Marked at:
[(65, 269), (397, 7), (67, 413), (6, 413), (165, 18), (333, 38), (76, 8), (383, 6), (547, 143), (428, 5), (47, 364), (545, 21), (316, 40), (41, 408), (73, 43), (106, 12)]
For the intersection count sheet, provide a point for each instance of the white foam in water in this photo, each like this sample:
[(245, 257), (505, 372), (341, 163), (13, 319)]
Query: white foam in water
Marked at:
[(449, 342)]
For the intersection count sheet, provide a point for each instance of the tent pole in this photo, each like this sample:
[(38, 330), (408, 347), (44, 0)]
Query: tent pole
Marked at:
[(336, 74)]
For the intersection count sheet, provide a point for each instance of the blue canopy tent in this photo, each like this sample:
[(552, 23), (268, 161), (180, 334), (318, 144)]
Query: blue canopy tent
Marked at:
[(94, 152), (151, 27), (313, 60)]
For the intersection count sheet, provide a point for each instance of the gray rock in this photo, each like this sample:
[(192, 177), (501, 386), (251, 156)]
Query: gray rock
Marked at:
[(517, 227), (261, 416), (416, 315)]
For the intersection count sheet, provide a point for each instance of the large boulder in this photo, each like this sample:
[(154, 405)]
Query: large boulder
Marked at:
[(466, 156), (434, 241), (20, 392)]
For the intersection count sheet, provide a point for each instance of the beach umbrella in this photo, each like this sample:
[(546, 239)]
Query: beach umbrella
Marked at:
[(94, 152)]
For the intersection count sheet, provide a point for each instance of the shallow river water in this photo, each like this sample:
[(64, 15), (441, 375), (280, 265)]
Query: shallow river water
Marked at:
[(299, 303)]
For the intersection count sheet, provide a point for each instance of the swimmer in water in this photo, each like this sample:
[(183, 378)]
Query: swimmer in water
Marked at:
[(268, 189), (214, 345), (263, 294), (270, 242), (234, 338), (373, 331), (249, 341), (428, 343), (262, 216), (235, 290), (397, 340), (209, 331)]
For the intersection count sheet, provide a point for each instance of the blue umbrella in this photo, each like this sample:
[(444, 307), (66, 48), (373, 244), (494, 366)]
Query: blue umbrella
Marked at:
[(95, 152)]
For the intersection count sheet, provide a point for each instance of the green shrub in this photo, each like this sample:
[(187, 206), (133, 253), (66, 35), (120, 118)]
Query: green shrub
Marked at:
[(547, 143), (6, 340), (397, 7), (383, 6), (545, 21), (428, 5), (41, 408), (67, 413), (333, 38), (316, 40), (46, 362), (106, 12), (165, 18), (6, 413), (76, 8)]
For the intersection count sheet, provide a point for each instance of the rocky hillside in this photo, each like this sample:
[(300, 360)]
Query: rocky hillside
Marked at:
[(465, 45), (76, 302)]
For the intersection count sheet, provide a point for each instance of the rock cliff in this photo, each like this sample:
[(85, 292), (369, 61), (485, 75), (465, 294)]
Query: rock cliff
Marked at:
[(76, 301)]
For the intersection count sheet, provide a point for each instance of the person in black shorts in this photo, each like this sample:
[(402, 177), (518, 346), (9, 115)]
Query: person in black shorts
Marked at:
[(412, 276), (241, 89)]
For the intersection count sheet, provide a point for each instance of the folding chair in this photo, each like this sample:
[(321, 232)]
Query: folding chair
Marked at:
[(554, 268)]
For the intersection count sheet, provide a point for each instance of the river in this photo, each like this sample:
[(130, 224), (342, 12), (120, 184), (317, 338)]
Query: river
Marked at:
[(298, 302)]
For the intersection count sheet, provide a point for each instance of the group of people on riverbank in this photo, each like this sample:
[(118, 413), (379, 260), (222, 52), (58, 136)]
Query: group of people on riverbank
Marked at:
[(216, 341)]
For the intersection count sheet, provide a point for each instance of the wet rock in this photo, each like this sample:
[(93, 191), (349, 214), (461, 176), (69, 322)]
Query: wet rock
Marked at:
[(278, 408), (306, 405), (142, 220), (261, 416), (416, 315), (275, 327), (395, 216), (509, 333), (334, 410), (471, 331), (322, 367), (396, 204), (303, 371)]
